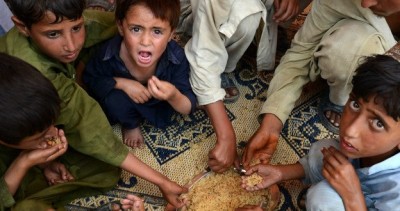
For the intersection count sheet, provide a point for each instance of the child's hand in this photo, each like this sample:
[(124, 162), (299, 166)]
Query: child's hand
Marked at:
[(269, 173), (131, 202), (171, 192), (285, 10), (161, 90), (56, 173), (137, 92), (44, 155), (341, 175)]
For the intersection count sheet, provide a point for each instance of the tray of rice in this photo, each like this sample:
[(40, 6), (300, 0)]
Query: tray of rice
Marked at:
[(210, 191)]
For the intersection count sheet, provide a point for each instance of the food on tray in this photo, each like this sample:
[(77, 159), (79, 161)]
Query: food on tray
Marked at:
[(223, 192), (55, 140), (253, 180)]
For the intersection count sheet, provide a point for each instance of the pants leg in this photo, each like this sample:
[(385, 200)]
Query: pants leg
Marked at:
[(337, 63), (238, 43), (119, 108)]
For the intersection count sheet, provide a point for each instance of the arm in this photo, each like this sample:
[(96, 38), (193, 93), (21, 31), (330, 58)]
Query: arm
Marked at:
[(26, 160), (135, 90), (163, 90), (169, 189), (273, 174), (222, 156), (341, 175), (262, 144)]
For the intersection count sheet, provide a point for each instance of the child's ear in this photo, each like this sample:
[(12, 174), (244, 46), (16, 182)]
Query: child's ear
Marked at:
[(120, 29), (172, 35), (20, 26)]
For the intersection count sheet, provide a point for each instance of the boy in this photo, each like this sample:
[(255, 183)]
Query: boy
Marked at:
[(25, 150), (50, 36), (362, 169), (141, 73)]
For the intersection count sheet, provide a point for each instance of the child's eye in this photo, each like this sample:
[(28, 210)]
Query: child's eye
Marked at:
[(354, 105), (135, 29), (157, 32), (53, 35), (377, 124), (76, 28)]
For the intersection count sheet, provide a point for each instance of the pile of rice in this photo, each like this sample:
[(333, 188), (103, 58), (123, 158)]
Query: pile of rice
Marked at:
[(222, 192)]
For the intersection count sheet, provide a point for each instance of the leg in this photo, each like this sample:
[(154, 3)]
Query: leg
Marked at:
[(337, 65), (119, 108), (322, 196)]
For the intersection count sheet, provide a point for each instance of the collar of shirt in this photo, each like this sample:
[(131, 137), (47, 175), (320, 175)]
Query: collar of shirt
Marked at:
[(390, 163)]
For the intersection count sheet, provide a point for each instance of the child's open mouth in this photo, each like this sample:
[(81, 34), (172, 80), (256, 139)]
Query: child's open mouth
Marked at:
[(144, 57)]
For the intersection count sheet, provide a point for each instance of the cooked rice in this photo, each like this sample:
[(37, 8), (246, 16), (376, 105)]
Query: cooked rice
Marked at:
[(222, 192)]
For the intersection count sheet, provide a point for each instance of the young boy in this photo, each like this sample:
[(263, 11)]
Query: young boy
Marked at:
[(141, 73), (361, 170), (50, 36), (34, 173)]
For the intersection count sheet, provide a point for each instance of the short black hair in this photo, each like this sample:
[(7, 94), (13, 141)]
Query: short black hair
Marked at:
[(33, 11), (29, 103), (379, 76), (166, 10)]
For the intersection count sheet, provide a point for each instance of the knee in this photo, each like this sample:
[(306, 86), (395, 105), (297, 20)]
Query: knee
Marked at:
[(343, 47), (321, 196)]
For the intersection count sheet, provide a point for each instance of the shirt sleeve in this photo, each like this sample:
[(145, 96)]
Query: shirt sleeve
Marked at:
[(6, 198), (294, 70), (85, 124)]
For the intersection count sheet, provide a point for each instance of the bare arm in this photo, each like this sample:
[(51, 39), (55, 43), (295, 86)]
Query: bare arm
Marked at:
[(169, 189), (262, 144), (164, 90), (224, 152)]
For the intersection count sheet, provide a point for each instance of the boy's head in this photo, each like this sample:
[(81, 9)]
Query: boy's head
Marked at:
[(161, 9), (146, 27), (29, 103), (370, 126), (55, 26)]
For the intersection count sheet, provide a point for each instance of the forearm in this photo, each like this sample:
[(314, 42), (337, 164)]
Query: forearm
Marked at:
[(15, 174), (120, 83), (291, 171), (181, 103), (135, 166), (219, 119), (355, 202)]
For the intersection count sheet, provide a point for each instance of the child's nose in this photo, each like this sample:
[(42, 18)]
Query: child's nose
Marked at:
[(69, 44)]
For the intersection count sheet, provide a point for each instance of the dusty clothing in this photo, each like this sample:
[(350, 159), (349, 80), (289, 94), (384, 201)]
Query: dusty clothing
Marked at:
[(333, 38), (86, 127)]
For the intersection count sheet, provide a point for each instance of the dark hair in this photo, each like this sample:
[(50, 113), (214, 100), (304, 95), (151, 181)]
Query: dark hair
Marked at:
[(29, 103), (379, 76), (166, 10), (33, 11)]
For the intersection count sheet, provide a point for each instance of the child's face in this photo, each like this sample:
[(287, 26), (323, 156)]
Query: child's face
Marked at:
[(145, 38), (367, 131), (36, 141), (62, 41), (382, 7)]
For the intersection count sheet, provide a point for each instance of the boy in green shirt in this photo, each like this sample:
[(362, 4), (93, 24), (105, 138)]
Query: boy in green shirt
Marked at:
[(52, 38)]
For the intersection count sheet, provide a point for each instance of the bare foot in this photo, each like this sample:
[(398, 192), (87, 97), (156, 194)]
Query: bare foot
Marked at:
[(132, 137), (333, 117)]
